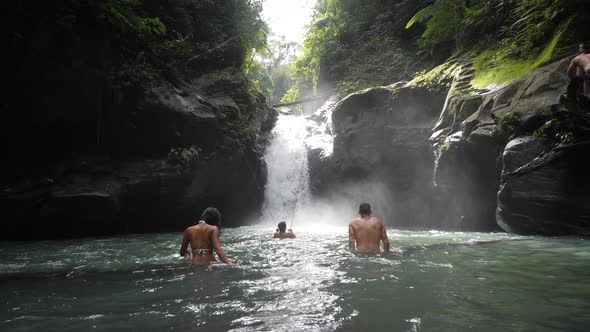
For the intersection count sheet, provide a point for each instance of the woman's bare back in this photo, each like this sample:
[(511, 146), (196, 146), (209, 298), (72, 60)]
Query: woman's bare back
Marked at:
[(199, 237), (203, 240)]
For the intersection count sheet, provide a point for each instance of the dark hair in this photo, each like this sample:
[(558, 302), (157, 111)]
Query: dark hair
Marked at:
[(585, 47), (211, 216), (282, 226), (365, 209)]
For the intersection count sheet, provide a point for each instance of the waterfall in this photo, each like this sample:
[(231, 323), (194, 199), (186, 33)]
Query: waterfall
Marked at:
[(287, 195), (287, 187)]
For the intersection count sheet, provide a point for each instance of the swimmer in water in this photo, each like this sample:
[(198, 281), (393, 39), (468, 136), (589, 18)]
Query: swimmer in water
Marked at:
[(203, 238), (367, 231), (281, 234)]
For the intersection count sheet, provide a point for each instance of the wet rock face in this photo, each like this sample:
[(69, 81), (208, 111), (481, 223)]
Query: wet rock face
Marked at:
[(544, 191), (320, 147), (468, 169), (381, 134), (370, 126), (466, 179), (150, 122)]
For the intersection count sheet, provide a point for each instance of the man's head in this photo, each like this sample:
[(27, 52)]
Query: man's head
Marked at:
[(211, 216), (585, 47), (282, 226), (365, 209)]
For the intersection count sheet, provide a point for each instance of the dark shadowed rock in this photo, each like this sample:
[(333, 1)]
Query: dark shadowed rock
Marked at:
[(78, 213), (152, 121), (370, 122), (466, 177), (545, 191), (103, 197), (120, 180)]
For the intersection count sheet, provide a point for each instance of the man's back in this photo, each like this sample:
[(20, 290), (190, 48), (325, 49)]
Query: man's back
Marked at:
[(583, 61), (579, 66), (284, 235), (367, 232)]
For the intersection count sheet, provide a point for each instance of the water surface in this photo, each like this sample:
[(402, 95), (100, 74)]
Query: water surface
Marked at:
[(431, 281)]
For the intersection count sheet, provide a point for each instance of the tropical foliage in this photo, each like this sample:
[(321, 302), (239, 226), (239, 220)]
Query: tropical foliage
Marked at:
[(271, 68), (144, 38), (356, 44)]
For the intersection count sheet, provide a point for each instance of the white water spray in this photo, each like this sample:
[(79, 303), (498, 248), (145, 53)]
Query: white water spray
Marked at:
[(287, 188), (287, 194)]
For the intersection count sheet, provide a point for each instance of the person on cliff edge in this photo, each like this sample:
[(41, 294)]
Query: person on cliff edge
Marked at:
[(204, 239), (366, 232), (283, 233), (580, 67)]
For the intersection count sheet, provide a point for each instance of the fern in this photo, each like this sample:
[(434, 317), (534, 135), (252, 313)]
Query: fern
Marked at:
[(443, 21), (422, 16)]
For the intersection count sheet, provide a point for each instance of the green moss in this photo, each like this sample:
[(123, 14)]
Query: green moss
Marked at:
[(493, 68), (437, 75), (497, 67), (185, 158)]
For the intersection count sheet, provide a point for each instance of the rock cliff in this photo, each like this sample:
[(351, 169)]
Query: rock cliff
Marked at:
[(447, 162), (120, 175), (381, 150)]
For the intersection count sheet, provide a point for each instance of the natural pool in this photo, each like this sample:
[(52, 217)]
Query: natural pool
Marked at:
[(431, 281)]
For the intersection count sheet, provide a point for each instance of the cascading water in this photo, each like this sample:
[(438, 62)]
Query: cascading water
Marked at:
[(287, 192), (287, 187)]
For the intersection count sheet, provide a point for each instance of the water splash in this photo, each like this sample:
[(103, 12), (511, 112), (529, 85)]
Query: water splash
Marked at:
[(287, 187), (320, 128)]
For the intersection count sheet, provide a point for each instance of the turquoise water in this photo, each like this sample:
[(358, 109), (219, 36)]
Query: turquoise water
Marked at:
[(431, 281)]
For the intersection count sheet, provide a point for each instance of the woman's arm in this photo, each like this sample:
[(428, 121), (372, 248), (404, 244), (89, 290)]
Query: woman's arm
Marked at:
[(217, 246), (184, 245), (351, 238)]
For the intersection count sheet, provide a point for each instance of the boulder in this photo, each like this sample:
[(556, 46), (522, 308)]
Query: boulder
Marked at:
[(381, 136), (368, 123)]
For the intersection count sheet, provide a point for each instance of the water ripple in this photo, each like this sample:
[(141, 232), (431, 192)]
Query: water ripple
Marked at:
[(430, 281)]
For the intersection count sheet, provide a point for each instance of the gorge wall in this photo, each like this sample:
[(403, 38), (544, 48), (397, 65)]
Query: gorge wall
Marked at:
[(436, 152), (129, 181), (465, 158)]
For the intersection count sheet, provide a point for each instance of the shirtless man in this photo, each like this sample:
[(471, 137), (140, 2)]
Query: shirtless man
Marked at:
[(281, 234), (367, 231), (203, 238), (581, 65)]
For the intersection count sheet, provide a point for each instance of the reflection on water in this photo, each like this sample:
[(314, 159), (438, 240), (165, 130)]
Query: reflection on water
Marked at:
[(431, 281)]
